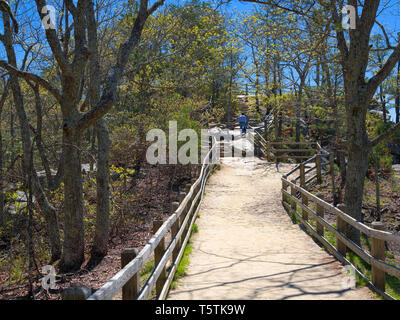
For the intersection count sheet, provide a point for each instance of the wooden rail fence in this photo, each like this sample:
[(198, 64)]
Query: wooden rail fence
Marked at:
[(283, 150), (180, 225), (300, 197), (296, 196)]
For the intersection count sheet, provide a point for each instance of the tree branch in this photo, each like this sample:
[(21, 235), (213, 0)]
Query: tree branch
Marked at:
[(389, 46), (32, 77), (53, 40), (377, 79), (277, 5), (384, 136), (339, 32), (154, 7), (111, 84)]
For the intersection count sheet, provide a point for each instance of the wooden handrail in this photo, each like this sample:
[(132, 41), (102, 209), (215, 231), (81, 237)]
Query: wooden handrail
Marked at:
[(383, 235), (336, 253), (376, 235), (174, 266), (292, 150), (267, 147), (291, 142), (112, 286), (290, 200)]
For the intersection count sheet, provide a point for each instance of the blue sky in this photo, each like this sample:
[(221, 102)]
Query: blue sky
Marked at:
[(390, 17)]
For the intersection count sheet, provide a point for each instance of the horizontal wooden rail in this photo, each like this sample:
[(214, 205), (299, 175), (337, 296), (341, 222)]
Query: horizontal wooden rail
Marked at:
[(187, 208), (359, 251), (293, 150), (291, 201), (175, 264), (151, 281), (336, 253), (310, 179), (290, 143), (383, 235)]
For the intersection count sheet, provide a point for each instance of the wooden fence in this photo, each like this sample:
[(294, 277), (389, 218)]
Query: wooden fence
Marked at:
[(283, 150), (180, 225), (300, 197)]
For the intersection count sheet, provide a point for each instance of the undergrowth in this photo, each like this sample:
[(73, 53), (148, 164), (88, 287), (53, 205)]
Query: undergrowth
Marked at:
[(185, 261)]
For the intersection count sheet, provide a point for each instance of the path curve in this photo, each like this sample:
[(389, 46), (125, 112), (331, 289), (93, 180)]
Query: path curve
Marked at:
[(248, 248)]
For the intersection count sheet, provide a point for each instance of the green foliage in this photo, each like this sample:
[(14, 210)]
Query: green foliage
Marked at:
[(147, 270), (376, 126), (183, 264)]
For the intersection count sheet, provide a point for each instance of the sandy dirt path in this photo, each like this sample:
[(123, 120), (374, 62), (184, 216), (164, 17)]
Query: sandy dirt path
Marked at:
[(248, 248)]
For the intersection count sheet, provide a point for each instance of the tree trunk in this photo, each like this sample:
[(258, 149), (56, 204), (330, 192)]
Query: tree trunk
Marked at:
[(257, 84), (280, 114), (48, 210), (12, 135), (1, 179), (73, 253), (298, 111), (100, 243), (397, 104), (383, 103), (38, 138), (358, 146), (2, 102)]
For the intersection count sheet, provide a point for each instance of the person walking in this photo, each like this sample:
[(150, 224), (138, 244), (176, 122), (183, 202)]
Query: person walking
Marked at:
[(243, 123)]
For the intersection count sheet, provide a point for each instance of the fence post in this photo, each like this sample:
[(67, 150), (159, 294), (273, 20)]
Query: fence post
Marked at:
[(284, 187), (174, 231), (341, 226), (321, 213), (210, 143), (193, 181), (158, 253), (304, 198), (318, 167), (267, 148), (182, 196), (187, 190), (293, 203), (189, 204), (302, 175), (332, 172), (131, 289), (378, 252), (222, 149)]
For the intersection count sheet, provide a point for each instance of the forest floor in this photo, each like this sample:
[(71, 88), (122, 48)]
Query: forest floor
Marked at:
[(149, 198), (247, 247)]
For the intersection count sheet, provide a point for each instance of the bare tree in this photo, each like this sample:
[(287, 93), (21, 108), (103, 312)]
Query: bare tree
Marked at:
[(3, 99), (359, 91), (46, 207), (72, 66)]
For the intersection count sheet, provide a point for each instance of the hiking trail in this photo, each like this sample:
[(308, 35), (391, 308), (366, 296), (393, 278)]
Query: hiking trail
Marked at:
[(247, 246)]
